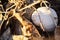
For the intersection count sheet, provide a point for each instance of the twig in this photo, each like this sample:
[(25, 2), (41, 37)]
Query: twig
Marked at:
[(30, 5)]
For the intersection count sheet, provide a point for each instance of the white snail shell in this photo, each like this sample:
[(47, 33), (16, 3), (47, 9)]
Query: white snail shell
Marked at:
[(47, 16)]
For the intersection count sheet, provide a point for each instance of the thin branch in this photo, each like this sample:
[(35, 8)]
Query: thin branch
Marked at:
[(30, 5)]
